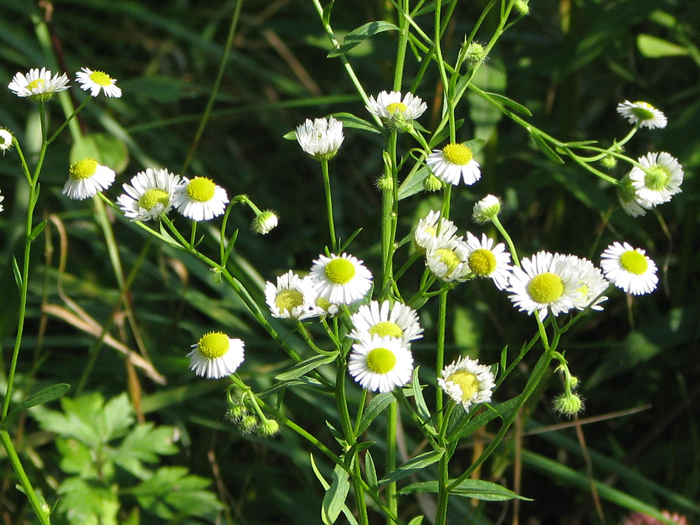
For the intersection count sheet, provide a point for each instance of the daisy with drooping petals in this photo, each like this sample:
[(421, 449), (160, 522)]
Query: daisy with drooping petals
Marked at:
[(86, 178), (453, 163), (341, 279), (591, 283), (630, 201), (321, 138), (395, 112), (448, 260), (5, 140), (433, 230), (659, 178), (292, 298), (380, 364), (200, 199), (96, 81), (38, 85), (384, 320), (485, 260), (486, 210), (265, 222), (215, 355), (467, 382), (629, 268), (149, 194), (642, 114), (546, 283)]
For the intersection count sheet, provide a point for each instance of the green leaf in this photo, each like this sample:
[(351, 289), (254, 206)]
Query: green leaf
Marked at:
[(654, 47), (510, 103), (335, 496), (349, 456), (421, 406), (305, 367), (77, 458), (37, 230), (351, 121), (375, 407), (105, 149), (469, 488), (419, 462), (413, 183), (37, 398), (351, 519), (87, 502), (418, 520), (359, 35), (546, 149), (466, 427), (144, 444), (16, 272), (371, 472)]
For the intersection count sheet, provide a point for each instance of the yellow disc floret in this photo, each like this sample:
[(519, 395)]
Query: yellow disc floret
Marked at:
[(83, 169), (457, 154), (213, 345), (287, 300), (201, 189), (386, 328), (340, 271), (482, 262), (152, 197), (545, 288), (100, 78), (381, 360), (396, 107), (449, 259), (466, 381), (634, 262)]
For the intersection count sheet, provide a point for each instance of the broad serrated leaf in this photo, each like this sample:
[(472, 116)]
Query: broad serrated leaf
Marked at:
[(77, 419), (143, 445), (305, 367), (77, 458), (359, 35), (374, 408), (410, 467), (469, 488), (351, 121), (413, 183), (546, 149), (335, 496), (37, 398), (115, 418), (87, 502)]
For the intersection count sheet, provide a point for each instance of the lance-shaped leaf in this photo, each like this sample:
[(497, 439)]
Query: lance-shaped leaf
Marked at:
[(359, 35)]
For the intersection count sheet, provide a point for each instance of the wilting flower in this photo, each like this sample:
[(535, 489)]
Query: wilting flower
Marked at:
[(291, 298), (38, 85), (321, 138)]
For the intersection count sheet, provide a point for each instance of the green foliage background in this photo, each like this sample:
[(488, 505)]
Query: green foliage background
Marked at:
[(570, 62)]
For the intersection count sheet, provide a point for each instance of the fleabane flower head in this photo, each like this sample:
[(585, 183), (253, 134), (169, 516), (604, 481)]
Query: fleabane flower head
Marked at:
[(642, 114), (149, 194), (86, 178), (341, 279), (467, 382), (546, 283), (38, 85), (384, 320), (215, 355), (453, 163), (395, 112), (486, 260), (591, 283), (200, 199), (96, 81), (321, 138), (630, 201), (660, 178), (629, 268), (433, 230), (291, 298), (449, 260), (380, 364), (321, 307), (486, 209), (5, 140)]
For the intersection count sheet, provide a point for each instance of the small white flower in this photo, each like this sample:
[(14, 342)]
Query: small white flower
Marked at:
[(96, 81), (630, 201), (149, 194), (380, 364), (5, 140), (546, 284), (433, 230), (86, 178), (453, 163), (216, 355), (467, 382), (448, 260), (629, 268), (265, 222), (660, 179), (321, 307), (591, 283), (200, 199), (395, 112), (38, 85), (2, 198), (485, 260), (341, 279), (320, 138), (292, 298), (486, 209), (646, 115), (384, 320)]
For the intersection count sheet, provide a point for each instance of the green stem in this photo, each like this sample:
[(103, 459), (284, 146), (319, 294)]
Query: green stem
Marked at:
[(391, 500), (329, 204), (68, 120), (440, 357), (389, 216), (401, 48)]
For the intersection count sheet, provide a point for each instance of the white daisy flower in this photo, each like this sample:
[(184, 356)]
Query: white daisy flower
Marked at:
[(96, 81), (630, 201), (2, 198), (629, 268), (5, 140), (341, 279), (265, 222), (200, 199), (646, 115), (321, 307), (38, 85), (429, 233), (395, 112), (448, 260), (149, 194), (320, 138), (292, 298), (467, 382), (660, 179), (486, 209), (453, 163), (485, 260), (216, 355), (380, 364), (384, 320), (591, 283), (546, 284), (86, 178)]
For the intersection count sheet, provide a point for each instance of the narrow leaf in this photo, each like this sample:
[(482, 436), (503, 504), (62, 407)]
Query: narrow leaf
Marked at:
[(37, 398), (375, 407), (334, 499), (419, 462), (17, 273), (546, 149), (413, 183), (305, 367), (421, 406), (493, 411), (359, 35), (37, 230), (654, 47), (469, 488), (509, 103), (351, 121), (418, 520), (371, 472)]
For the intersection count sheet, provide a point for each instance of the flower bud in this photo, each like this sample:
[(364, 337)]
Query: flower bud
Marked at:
[(268, 428), (264, 222), (568, 404), (432, 183)]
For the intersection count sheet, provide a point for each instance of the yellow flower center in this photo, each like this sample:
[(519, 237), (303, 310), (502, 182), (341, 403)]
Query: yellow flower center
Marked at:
[(657, 177), (466, 381), (482, 262), (201, 189), (152, 197), (288, 300), (213, 345), (583, 290), (324, 304), (396, 107), (448, 258), (457, 154), (386, 328), (634, 262), (545, 288), (340, 271), (100, 78), (381, 360), (35, 84), (83, 169)]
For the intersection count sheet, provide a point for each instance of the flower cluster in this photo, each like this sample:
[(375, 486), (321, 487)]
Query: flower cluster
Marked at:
[(40, 85)]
